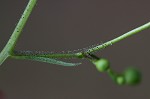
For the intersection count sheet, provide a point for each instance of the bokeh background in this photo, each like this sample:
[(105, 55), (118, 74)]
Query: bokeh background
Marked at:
[(62, 25)]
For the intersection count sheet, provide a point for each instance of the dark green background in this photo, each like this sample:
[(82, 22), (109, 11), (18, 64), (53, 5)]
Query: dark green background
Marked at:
[(62, 25)]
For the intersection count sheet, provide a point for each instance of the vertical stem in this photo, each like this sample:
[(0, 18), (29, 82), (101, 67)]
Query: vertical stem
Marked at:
[(9, 47)]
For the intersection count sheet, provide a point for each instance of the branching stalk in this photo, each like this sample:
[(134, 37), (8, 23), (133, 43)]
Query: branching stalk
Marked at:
[(9, 47), (9, 51), (89, 51), (130, 77)]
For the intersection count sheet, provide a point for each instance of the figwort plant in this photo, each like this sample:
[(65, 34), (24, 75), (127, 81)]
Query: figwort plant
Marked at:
[(130, 76)]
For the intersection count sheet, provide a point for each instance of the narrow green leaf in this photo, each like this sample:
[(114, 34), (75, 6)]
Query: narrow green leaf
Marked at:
[(46, 60)]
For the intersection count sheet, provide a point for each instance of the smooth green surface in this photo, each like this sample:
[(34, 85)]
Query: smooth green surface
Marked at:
[(132, 76), (46, 60), (102, 64), (120, 80)]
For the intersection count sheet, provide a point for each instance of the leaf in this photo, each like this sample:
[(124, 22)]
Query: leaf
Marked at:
[(46, 60)]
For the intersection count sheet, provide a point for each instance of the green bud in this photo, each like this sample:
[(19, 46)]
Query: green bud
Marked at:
[(132, 76), (102, 64), (120, 80)]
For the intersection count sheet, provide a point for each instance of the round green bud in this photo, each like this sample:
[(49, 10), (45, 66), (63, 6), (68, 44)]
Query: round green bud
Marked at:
[(102, 64), (132, 76), (120, 80)]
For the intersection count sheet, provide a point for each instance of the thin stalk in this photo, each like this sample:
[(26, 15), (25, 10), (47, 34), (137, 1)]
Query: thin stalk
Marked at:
[(9, 47), (122, 37), (89, 51), (46, 54)]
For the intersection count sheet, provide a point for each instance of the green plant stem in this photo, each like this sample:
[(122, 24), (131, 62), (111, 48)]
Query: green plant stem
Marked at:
[(91, 50), (46, 54), (122, 37), (9, 47)]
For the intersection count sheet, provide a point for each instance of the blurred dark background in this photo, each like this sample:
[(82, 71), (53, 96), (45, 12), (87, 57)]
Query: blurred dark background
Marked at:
[(62, 25)]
